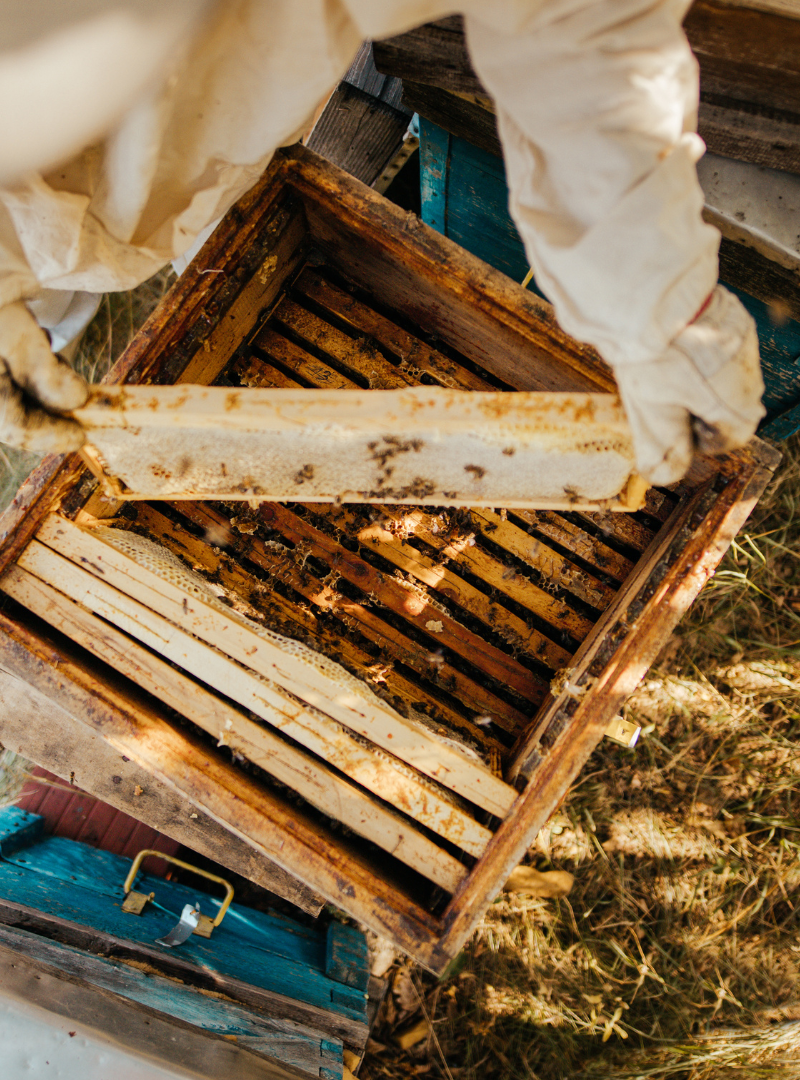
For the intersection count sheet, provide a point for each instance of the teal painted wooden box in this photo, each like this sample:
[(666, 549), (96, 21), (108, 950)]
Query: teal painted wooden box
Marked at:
[(300, 992)]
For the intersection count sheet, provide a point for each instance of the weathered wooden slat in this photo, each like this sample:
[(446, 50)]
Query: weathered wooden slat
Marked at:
[(553, 567), (753, 56), (414, 353), (469, 116), (394, 646), (622, 528), (433, 53), (329, 793), (300, 675), (465, 553), (363, 74), (358, 132), (280, 260), (255, 371), (750, 270), (361, 358), (290, 1043), (578, 541), (412, 605), (138, 1027), (436, 575), (299, 362)]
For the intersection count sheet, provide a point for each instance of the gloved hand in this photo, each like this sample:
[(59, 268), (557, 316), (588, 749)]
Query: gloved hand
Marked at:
[(33, 381), (703, 394)]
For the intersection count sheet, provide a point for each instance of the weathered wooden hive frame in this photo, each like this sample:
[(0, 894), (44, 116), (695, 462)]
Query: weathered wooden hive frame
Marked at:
[(517, 633)]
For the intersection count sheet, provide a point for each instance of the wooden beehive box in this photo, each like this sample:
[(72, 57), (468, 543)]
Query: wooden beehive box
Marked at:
[(497, 646)]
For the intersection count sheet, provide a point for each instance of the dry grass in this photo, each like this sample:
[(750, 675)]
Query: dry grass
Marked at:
[(677, 953)]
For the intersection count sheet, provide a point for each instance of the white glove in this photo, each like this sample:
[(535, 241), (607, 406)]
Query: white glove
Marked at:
[(703, 394), (32, 381)]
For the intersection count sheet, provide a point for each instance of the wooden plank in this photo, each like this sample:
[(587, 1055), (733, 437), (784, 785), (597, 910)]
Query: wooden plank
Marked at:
[(467, 115), (363, 74), (554, 568), (754, 56), (293, 358), (747, 269), (38, 494), (333, 795), (18, 829), (287, 566), (413, 353), (302, 672), (621, 528), (359, 357), (36, 727), (346, 957), (771, 141), (465, 553), (581, 543), (300, 844), (436, 575), (140, 1029), (281, 255), (290, 1043), (626, 640), (358, 132), (434, 53), (413, 606), (254, 371), (435, 157)]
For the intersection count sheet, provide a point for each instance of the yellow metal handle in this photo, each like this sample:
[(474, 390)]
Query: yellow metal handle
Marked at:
[(137, 862)]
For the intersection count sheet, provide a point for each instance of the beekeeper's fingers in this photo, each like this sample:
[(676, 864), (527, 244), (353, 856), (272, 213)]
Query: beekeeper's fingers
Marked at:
[(29, 427), (45, 378), (704, 393)]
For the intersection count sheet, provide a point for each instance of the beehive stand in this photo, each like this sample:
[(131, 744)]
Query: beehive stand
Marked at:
[(388, 701)]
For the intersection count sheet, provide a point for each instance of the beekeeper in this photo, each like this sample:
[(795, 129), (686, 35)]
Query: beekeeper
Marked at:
[(128, 127)]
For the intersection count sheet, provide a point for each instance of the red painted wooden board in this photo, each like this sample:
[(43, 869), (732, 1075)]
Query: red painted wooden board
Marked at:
[(79, 816)]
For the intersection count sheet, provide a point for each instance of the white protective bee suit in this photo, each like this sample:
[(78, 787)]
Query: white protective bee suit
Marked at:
[(128, 126)]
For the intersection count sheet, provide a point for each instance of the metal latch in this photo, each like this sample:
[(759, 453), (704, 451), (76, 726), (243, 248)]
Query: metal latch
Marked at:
[(135, 902), (624, 732)]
